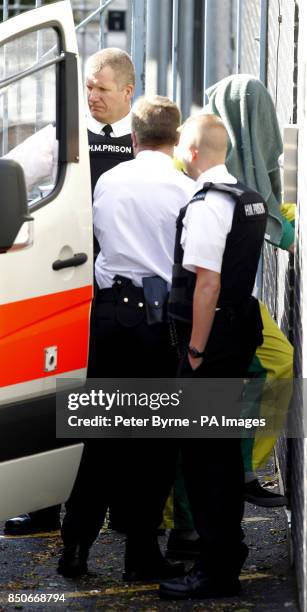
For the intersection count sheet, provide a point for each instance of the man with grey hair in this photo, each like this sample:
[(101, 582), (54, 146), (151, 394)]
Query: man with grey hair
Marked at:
[(110, 81)]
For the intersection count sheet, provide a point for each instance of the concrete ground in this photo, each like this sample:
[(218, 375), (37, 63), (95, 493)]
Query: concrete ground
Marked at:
[(28, 566)]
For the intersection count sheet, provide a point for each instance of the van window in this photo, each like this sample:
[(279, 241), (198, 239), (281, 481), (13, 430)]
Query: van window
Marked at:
[(28, 94)]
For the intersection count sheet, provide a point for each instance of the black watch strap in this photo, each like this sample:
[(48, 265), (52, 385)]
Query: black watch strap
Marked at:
[(195, 353)]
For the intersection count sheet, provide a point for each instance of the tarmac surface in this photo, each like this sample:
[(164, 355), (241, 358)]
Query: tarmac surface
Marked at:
[(28, 566)]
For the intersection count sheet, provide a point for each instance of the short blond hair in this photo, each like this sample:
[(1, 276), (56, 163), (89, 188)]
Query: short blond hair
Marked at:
[(207, 133), (156, 120), (118, 60)]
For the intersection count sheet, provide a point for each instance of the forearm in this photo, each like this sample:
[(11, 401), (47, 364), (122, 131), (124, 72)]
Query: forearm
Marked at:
[(205, 299)]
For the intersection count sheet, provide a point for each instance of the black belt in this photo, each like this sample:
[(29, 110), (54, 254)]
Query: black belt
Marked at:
[(128, 301), (112, 294), (133, 303)]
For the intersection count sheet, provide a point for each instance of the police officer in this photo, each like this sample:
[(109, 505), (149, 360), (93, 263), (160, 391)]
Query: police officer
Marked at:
[(218, 244), (110, 81), (135, 209)]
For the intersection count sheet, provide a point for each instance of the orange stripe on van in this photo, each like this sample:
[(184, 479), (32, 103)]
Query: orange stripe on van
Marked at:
[(30, 326)]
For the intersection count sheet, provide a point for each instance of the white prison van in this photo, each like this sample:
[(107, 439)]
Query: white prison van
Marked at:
[(45, 255)]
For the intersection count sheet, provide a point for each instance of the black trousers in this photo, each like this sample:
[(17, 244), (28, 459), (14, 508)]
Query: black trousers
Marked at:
[(132, 476), (122, 344), (213, 468)]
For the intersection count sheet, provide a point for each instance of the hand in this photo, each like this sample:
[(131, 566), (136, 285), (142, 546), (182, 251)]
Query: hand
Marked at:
[(195, 363)]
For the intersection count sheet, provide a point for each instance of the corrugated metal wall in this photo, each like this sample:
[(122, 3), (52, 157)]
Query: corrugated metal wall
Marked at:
[(299, 446), (279, 79), (280, 67), (281, 76), (277, 264)]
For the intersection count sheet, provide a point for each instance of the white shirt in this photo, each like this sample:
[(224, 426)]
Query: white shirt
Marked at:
[(120, 128), (207, 225), (38, 156), (136, 205)]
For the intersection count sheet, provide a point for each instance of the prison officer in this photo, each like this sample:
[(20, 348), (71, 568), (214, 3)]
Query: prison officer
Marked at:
[(218, 244), (110, 81), (135, 209)]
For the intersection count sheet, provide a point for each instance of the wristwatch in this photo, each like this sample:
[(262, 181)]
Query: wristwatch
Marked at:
[(195, 353)]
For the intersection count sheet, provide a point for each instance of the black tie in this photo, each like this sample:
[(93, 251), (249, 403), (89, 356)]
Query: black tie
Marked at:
[(107, 130)]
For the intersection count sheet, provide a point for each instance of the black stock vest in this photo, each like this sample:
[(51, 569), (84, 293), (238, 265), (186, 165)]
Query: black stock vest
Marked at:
[(106, 152), (241, 255)]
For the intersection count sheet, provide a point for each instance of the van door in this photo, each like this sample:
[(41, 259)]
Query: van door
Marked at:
[(46, 280)]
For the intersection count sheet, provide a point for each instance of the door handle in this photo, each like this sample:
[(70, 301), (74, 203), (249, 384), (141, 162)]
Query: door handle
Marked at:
[(77, 260)]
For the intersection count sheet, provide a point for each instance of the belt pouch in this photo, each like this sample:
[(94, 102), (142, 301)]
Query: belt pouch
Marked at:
[(155, 294)]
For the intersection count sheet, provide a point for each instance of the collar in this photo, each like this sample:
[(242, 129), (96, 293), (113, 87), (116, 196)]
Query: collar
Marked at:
[(120, 128), (156, 156), (216, 174)]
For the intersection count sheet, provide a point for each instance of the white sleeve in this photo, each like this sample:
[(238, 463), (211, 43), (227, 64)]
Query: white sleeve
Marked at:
[(37, 155), (205, 230), (98, 199)]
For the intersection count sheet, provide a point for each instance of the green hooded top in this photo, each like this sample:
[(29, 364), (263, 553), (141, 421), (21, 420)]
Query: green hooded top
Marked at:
[(248, 113)]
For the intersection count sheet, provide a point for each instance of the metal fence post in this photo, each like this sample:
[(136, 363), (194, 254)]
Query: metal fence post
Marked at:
[(128, 26), (164, 46), (5, 8), (208, 45), (39, 100), (101, 28), (175, 19), (186, 56), (5, 121), (152, 29), (263, 41), (138, 43), (239, 36)]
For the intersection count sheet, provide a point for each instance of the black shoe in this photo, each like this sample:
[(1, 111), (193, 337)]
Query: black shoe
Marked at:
[(197, 585), (26, 524), (254, 493), (119, 527), (149, 573), (182, 548), (73, 561)]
